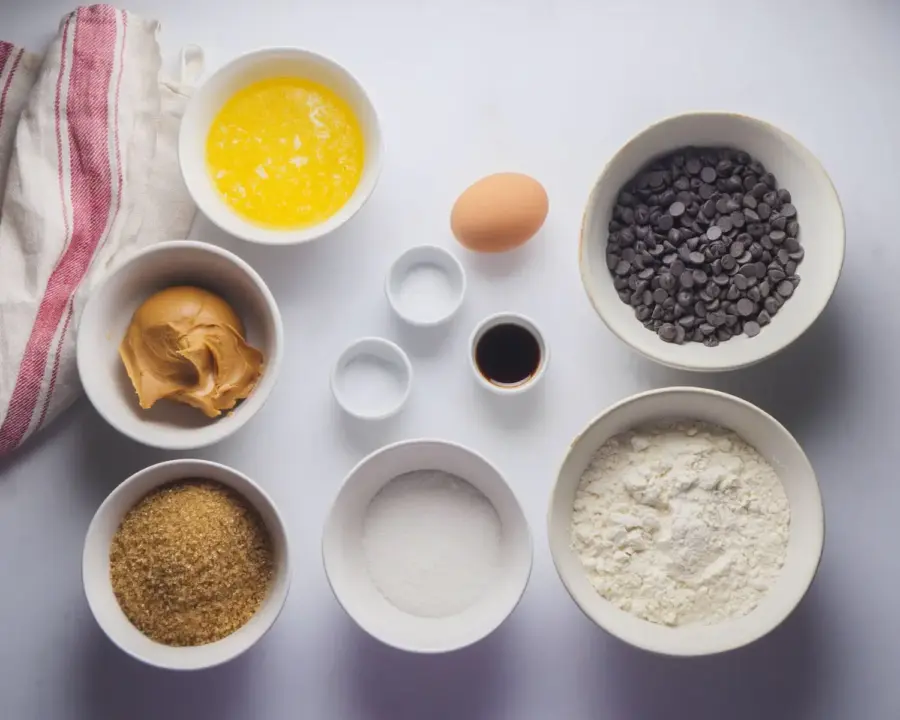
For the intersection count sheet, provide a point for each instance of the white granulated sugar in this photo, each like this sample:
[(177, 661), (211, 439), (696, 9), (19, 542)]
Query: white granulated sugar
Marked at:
[(681, 523), (431, 542)]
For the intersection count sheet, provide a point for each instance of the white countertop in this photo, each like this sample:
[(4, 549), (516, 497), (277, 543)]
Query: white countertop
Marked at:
[(552, 89)]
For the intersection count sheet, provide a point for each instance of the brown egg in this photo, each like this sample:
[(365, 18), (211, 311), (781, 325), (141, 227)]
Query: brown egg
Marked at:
[(499, 212)]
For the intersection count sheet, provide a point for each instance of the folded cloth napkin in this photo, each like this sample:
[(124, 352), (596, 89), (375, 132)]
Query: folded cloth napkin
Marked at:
[(88, 171)]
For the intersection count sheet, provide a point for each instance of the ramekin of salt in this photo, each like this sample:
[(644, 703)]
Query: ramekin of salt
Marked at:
[(372, 379), (425, 286), (426, 547)]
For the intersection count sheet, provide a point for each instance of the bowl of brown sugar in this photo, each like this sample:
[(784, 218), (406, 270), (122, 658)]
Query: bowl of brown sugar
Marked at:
[(186, 564)]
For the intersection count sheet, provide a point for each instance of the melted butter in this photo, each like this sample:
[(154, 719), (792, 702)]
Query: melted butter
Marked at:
[(285, 152)]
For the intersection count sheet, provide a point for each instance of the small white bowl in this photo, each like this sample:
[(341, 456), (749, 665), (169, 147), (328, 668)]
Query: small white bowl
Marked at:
[(98, 588), (772, 441), (819, 213), (209, 98), (372, 379), (425, 286), (345, 566), (513, 319), (108, 312)]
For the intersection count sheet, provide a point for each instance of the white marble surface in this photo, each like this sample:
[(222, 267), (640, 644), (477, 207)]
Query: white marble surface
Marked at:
[(550, 88)]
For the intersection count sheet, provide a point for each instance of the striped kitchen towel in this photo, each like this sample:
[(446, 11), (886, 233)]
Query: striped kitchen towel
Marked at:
[(88, 172)]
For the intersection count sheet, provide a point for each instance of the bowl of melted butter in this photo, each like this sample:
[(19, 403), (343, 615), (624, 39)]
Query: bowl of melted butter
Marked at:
[(280, 146), (180, 345)]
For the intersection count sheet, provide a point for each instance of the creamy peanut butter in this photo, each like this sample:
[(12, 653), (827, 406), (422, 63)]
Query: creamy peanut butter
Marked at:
[(187, 344)]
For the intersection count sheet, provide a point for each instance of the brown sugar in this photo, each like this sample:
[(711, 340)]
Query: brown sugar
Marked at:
[(191, 563)]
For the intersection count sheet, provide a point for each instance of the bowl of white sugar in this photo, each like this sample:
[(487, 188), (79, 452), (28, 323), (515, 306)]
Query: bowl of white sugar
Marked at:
[(686, 521), (426, 547)]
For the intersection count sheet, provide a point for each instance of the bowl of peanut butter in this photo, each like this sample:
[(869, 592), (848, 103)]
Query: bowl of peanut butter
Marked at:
[(180, 345)]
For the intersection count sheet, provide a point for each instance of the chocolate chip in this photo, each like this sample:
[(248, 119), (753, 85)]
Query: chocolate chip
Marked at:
[(667, 332), (746, 307), (676, 209)]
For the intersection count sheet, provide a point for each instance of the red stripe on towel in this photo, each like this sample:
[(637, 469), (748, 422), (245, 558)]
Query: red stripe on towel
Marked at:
[(119, 176), (87, 114), (6, 49), (9, 79)]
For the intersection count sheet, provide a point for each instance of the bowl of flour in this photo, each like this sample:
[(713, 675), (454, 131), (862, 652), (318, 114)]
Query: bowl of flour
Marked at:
[(686, 521), (426, 547)]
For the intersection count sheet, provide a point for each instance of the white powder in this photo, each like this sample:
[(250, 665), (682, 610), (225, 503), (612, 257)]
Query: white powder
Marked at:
[(426, 293), (371, 385), (681, 523), (431, 542)]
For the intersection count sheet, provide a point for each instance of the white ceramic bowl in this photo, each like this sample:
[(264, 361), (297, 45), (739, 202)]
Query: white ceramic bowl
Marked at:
[(513, 319), (425, 286), (98, 588), (345, 566), (372, 379), (108, 312), (818, 211), (772, 441), (209, 98)]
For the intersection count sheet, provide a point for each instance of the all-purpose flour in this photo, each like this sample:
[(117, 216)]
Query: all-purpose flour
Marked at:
[(431, 542), (681, 523)]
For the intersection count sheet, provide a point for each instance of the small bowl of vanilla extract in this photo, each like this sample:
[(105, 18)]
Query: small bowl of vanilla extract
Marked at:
[(508, 354)]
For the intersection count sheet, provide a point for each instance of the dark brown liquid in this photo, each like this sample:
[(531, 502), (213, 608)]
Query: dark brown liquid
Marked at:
[(508, 354)]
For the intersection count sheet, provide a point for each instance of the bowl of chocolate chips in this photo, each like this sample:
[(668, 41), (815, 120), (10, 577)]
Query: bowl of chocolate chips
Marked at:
[(711, 241)]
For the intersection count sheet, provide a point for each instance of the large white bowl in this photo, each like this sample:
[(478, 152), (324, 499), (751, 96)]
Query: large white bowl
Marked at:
[(209, 98), (108, 312), (821, 232), (98, 588), (345, 565), (772, 441)]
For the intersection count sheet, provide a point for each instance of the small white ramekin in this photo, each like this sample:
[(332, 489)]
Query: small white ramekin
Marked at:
[(384, 357), (513, 319), (444, 262)]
